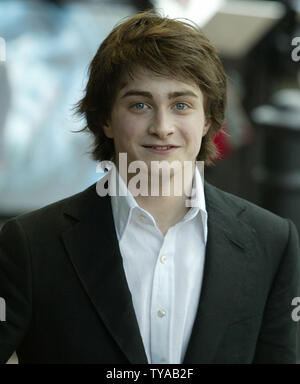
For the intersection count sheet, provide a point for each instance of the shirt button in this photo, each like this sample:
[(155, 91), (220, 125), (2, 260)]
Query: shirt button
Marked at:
[(161, 313), (163, 259)]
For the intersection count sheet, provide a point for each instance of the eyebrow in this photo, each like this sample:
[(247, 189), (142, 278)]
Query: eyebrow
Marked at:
[(171, 95)]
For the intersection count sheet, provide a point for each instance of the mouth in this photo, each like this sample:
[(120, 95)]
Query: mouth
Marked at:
[(161, 148)]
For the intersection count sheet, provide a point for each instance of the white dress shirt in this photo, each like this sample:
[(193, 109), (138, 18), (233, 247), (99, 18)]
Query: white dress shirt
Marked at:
[(164, 273)]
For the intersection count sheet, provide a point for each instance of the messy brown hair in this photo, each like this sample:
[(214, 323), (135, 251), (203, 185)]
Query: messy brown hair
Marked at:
[(168, 47)]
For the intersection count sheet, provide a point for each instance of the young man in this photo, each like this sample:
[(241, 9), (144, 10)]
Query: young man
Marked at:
[(147, 277)]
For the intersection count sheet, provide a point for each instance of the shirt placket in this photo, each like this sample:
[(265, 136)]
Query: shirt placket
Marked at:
[(161, 305)]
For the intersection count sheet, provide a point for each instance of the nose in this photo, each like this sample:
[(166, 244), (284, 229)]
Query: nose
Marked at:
[(161, 125)]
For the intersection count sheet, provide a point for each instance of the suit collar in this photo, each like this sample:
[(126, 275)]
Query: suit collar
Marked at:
[(93, 248), (227, 253), (103, 277)]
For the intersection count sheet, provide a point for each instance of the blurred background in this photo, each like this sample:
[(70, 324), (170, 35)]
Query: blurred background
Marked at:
[(45, 50)]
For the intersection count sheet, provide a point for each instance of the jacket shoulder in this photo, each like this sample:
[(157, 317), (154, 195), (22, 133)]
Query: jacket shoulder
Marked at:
[(51, 217), (246, 208), (265, 224)]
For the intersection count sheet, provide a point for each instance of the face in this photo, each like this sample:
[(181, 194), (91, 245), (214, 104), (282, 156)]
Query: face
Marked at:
[(152, 111)]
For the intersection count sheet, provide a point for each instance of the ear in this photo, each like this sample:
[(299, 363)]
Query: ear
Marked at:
[(107, 129)]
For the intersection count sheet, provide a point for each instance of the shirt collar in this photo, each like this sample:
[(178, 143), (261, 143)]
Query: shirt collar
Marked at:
[(124, 203)]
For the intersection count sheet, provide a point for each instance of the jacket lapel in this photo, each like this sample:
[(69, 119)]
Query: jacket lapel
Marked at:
[(227, 253), (94, 252)]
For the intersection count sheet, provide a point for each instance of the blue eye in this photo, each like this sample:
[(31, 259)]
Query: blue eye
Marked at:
[(181, 106), (139, 106)]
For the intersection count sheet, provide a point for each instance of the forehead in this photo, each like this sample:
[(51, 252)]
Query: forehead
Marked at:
[(144, 79)]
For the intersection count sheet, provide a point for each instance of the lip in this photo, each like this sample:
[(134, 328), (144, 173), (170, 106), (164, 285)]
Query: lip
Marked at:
[(162, 151)]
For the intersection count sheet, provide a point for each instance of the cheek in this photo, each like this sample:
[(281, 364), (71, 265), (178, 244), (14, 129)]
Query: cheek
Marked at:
[(193, 133), (128, 129)]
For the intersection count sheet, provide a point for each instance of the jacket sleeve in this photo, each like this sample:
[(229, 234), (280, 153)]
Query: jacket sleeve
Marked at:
[(15, 288), (277, 340)]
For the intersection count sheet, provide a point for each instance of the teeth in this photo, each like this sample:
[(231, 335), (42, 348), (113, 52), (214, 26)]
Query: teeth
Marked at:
[(162, 147)]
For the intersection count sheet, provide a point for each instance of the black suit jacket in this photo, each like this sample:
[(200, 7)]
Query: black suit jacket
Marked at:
[(68, 301)]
